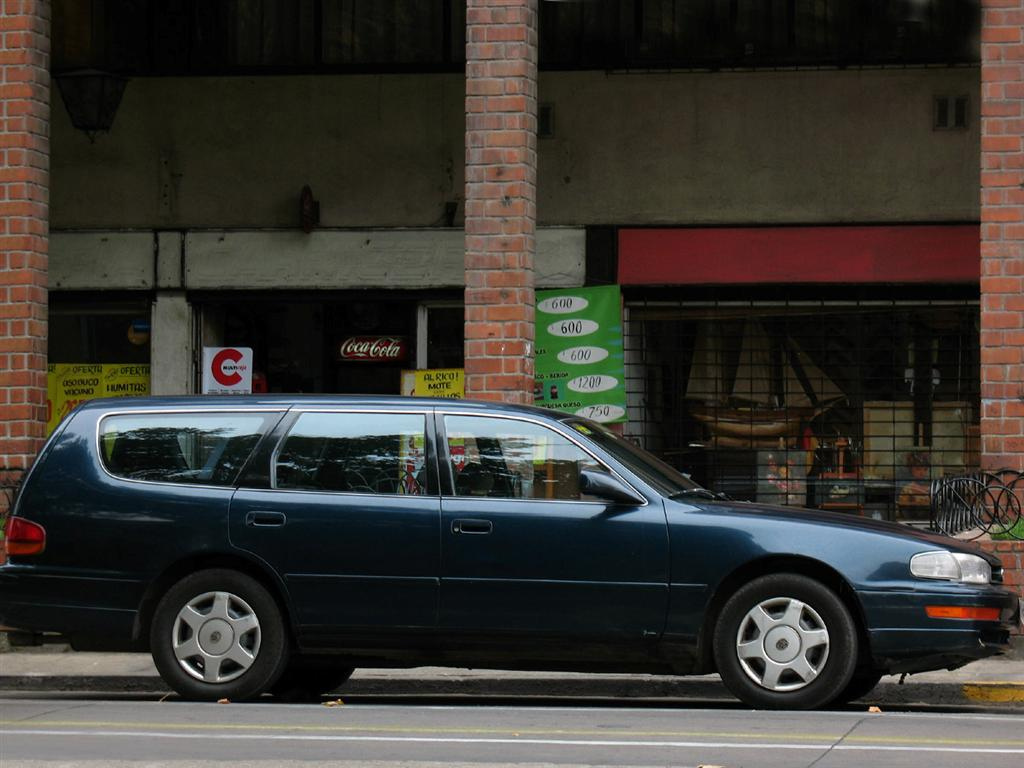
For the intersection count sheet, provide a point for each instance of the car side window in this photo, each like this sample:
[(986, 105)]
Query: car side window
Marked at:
[(354, 452), (512, 459), (198, 448)]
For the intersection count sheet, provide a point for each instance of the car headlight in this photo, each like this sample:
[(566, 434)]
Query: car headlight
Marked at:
[(951, 566)]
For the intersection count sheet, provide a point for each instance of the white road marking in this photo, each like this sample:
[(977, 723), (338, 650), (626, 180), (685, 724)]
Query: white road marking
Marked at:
[(526, 741)]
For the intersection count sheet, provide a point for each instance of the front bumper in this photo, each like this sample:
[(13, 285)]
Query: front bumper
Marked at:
[(903, 638)]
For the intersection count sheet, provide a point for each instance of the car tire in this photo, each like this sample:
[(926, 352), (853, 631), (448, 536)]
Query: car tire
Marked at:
[(307, 678), (785, 641), (218, 634)]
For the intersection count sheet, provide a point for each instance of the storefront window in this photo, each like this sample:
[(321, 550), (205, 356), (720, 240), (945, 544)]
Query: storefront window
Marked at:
[(846, 405), (339, 342), (286, 336), (441, 344), (98, 332), (95, 349)]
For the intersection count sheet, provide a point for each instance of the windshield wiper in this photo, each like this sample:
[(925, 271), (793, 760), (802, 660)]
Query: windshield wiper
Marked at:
[(702, 493)]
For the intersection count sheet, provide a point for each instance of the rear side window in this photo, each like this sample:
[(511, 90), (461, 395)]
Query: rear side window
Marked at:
[(198, 448), (380, 453)]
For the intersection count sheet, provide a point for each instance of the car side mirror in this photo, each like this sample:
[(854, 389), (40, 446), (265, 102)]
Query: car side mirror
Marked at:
[(596, 482)]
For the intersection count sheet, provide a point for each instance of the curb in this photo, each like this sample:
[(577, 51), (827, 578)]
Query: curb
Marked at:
[(995, 693), (83, 684), (887, 694)]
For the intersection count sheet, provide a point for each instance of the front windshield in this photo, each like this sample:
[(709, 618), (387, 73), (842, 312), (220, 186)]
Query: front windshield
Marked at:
[(665, 478)]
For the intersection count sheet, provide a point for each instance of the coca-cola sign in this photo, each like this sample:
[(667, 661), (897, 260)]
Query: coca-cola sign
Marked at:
[(373, 349)]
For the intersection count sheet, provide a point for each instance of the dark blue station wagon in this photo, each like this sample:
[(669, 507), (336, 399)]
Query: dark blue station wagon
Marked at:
[(272, 544)]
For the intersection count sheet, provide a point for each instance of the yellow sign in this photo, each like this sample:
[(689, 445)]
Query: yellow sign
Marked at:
[(70, 384), (435, 382), (125, 380)]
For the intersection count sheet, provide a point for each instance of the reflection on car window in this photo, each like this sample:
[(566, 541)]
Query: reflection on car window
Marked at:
[(665, 478), (200, 448), (354, 453), (510, 459)]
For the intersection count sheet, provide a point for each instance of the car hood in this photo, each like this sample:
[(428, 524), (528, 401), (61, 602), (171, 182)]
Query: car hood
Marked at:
[(818, 517)]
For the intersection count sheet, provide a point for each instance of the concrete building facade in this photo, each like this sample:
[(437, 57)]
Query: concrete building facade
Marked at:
[(450, 193)]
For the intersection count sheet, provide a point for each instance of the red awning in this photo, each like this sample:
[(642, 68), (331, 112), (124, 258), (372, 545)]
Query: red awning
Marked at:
[(743, 255)]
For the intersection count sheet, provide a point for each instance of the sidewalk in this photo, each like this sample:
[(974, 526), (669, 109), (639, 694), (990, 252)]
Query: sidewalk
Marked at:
[(991, 683)]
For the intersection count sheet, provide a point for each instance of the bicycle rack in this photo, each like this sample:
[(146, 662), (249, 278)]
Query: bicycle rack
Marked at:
[(970, 506)]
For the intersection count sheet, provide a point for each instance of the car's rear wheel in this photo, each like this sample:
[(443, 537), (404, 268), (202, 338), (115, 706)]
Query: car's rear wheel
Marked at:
[(307, 678), (785, 641), (218, 634)]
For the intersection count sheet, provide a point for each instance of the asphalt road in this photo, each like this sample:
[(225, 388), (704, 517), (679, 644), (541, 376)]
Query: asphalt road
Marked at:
[(82, 732)]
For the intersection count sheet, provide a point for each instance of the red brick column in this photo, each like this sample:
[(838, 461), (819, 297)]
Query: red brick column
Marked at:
[(1012, 555), (501, 176), (24, 227), (1002, 234)]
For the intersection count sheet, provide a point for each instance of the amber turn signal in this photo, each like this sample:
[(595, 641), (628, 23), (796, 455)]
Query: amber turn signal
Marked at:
[(962, 612)]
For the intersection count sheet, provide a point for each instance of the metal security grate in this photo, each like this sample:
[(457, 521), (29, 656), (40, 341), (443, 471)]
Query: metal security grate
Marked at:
[(854, 406)]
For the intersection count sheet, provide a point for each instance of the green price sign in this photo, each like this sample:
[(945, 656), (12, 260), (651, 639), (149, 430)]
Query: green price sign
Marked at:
[(579, 352)]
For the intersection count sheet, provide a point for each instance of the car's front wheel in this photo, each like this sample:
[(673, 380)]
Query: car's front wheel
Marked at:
[(785, 641), (218, 634)]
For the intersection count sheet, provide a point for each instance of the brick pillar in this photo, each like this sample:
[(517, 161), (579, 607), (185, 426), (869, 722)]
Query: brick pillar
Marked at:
[(501, 177), (24, 229), (1002, 234)]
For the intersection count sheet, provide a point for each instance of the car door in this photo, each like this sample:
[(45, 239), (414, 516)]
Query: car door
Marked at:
[(350, 521), (523, 551)]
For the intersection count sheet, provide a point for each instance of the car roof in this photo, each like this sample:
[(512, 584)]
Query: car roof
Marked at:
[(285, 401)]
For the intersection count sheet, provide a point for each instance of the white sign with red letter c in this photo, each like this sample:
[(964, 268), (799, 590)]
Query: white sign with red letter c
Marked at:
[(227, 370)]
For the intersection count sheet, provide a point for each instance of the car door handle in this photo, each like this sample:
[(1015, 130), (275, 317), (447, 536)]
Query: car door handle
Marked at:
[(265, 519), (472, 526)]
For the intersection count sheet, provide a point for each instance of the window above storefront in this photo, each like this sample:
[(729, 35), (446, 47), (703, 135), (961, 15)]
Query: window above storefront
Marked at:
[(192, 37)]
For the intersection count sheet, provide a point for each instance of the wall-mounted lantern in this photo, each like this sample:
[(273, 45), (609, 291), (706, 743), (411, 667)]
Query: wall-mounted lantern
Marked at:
[(91, 98)]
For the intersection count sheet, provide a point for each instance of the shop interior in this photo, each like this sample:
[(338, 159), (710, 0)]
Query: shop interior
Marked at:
[(83, 331), (299, 341), (853, 406)]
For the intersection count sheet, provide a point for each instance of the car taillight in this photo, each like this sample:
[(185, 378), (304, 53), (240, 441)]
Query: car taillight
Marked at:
[(23, 537)]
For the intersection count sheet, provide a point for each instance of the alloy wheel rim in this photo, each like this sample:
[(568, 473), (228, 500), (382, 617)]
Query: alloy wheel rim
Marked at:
[(782, 644), (216, 637)]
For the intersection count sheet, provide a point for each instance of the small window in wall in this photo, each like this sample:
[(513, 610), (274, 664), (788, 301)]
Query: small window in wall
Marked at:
[(950, 113), (510, 459), (546, 121), (199, 448), (379, 453)]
